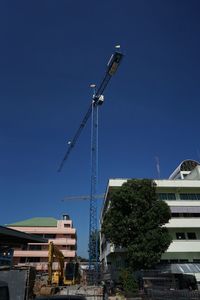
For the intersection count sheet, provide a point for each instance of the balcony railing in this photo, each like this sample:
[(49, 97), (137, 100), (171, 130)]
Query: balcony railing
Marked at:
[(40, 253), (46, 230), (188, 223)]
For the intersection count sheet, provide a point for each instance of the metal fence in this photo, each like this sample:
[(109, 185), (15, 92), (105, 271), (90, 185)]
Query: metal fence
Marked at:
[(172, 295), (89, 292), (20, 282)]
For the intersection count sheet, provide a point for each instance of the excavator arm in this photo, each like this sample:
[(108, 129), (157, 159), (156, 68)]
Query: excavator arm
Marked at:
[(54, 278), (55, 252)]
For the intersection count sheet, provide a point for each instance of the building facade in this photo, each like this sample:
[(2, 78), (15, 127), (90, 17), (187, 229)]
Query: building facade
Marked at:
[(60, 232), (9, 239), (182, 193)]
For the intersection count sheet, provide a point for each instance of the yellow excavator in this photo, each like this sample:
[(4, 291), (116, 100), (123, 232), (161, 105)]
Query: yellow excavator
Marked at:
[(55, 278), (68, 275)]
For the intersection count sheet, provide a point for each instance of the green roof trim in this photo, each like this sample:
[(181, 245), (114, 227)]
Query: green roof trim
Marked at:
[(35, 222)]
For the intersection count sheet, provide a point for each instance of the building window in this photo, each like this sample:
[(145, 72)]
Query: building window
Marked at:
[(175, 215), (191, 235), (35, 247), (173, 261), (73, 247), (33, 259), (24, 247), (183, 261), (164, 261), (185, 215), (197, 260), (67, 225), (67, 236), (190, 196), (22, 260), (50, 236), (180, 235), (166, 196)]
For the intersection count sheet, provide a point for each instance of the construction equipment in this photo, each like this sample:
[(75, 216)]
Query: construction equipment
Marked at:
[(68, 275), (72, 273), (83, 197), (57, 276), (97, 100), (62, 276)]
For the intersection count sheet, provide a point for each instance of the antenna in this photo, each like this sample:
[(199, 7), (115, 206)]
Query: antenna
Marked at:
[(93, 86), (198, 154), (157, 166)]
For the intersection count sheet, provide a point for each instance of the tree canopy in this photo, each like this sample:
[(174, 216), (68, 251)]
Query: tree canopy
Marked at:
[(135, 220)]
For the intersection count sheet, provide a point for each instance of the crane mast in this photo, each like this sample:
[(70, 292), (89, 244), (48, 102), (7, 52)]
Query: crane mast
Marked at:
[(97, 100), (93, 233)]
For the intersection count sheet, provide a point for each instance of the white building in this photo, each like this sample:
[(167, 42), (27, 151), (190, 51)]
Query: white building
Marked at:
[(182, 193)]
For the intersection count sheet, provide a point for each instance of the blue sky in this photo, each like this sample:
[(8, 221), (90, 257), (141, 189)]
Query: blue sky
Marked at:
[(50, 53)]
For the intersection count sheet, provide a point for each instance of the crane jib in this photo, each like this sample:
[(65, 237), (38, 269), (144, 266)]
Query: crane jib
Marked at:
[(111, 70)]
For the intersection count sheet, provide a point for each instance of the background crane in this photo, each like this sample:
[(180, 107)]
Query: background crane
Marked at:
[(83, 197), (97, 100)]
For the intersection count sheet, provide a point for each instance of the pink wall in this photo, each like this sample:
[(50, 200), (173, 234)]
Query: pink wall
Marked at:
[(65, 238)]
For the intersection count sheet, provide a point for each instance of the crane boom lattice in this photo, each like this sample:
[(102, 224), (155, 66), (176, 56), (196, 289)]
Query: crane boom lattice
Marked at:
[(76, 136), (93, 234), (83, 197)]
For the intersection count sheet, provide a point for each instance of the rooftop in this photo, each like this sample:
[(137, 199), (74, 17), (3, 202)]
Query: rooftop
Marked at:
[(10, 237), (35, 222)]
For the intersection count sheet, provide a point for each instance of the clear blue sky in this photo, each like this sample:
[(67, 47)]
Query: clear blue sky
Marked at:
[(50, 52)]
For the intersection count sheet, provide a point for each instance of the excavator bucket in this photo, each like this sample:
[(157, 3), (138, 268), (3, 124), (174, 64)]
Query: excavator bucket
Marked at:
[(47, 290)]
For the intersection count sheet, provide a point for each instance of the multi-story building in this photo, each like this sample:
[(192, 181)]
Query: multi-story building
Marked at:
[(9, 239), (60, 232), (182, 193)]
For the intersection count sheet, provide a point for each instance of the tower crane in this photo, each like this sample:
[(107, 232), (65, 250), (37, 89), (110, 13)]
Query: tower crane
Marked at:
[(92, 111)]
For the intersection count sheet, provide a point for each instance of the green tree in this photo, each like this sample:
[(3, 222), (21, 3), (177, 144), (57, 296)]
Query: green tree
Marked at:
[(128, 281), (135, 221)]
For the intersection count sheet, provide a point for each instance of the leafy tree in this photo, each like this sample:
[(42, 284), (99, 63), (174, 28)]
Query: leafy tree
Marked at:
[(128, 281), (135, 221)]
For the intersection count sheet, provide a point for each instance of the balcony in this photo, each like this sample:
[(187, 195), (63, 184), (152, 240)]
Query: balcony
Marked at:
[(183, 223), (58, 242), (63, 241), (30, 253), (68, 253), (40, 266), (46, 230), (40, 253), (184, 246)]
